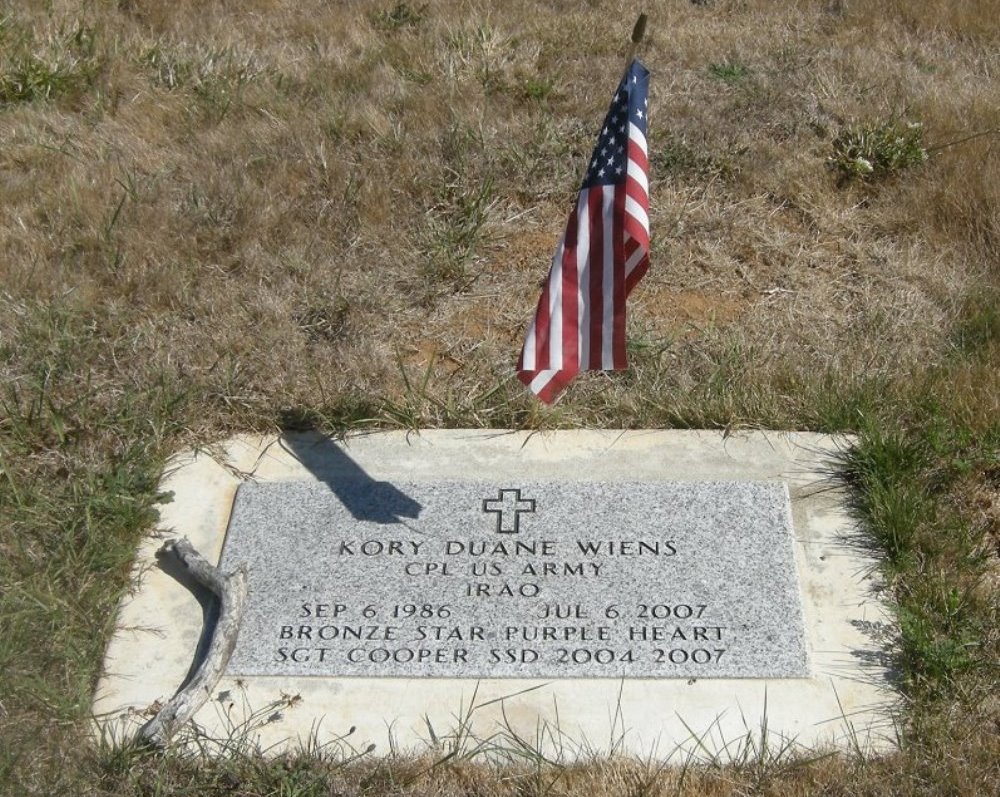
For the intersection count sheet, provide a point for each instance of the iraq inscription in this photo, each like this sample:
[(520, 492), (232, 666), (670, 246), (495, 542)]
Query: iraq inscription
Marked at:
[(534, 580)]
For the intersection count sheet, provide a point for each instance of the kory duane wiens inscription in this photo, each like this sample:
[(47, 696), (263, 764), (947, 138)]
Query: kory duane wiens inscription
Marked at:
[(533, 580)]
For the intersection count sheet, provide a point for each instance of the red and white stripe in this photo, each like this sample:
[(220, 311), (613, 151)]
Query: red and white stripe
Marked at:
[(579, 324)]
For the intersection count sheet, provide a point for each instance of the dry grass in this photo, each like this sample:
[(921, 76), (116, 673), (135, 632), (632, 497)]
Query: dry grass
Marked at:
[(240, 215), (340, 197)]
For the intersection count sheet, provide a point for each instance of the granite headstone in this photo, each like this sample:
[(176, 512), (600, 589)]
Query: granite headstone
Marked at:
[(537, 580)]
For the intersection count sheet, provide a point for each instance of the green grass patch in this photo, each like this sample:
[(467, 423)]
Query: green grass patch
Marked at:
[(878, 149), (978, 332), (64, 65), (731, 72), (79, 464), (909, 479)]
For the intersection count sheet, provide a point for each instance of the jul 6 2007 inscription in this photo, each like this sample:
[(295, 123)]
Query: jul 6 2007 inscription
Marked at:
[(532, 580)]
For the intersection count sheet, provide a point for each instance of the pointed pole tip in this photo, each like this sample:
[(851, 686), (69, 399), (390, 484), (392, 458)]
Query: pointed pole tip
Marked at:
[(639, 31)]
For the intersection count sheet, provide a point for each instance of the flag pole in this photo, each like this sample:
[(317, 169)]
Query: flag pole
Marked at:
[(638, 33), (579, 323)]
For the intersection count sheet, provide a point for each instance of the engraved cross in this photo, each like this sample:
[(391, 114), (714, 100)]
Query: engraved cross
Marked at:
[(508, 506)]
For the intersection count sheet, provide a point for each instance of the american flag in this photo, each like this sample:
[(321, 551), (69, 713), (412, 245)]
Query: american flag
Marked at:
[(580, 321)]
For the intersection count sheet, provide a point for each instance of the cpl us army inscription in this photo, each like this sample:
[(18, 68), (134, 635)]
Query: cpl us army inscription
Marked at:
[(532, 580)]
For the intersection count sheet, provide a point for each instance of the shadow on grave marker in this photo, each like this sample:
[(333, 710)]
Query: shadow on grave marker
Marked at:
[(367, 499)]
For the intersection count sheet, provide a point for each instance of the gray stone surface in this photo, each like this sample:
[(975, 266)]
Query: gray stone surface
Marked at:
[(353, 577)]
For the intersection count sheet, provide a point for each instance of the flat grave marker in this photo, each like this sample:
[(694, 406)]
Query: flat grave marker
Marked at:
[(580, 580), (659, 593)]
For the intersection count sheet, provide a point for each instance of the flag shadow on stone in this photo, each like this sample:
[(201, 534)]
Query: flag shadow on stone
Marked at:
[(364, 497)]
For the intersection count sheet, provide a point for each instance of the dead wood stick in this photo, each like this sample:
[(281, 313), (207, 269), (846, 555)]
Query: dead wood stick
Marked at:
[(231, 590)]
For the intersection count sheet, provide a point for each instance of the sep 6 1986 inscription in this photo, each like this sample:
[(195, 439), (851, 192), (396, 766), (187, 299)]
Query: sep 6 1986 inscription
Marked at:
[(480, 580)]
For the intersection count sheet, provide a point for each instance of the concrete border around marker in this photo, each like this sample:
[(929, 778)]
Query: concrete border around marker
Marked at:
[(848, 702)]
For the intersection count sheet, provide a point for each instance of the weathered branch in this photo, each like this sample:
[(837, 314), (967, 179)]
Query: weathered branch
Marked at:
[(231, 590)]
